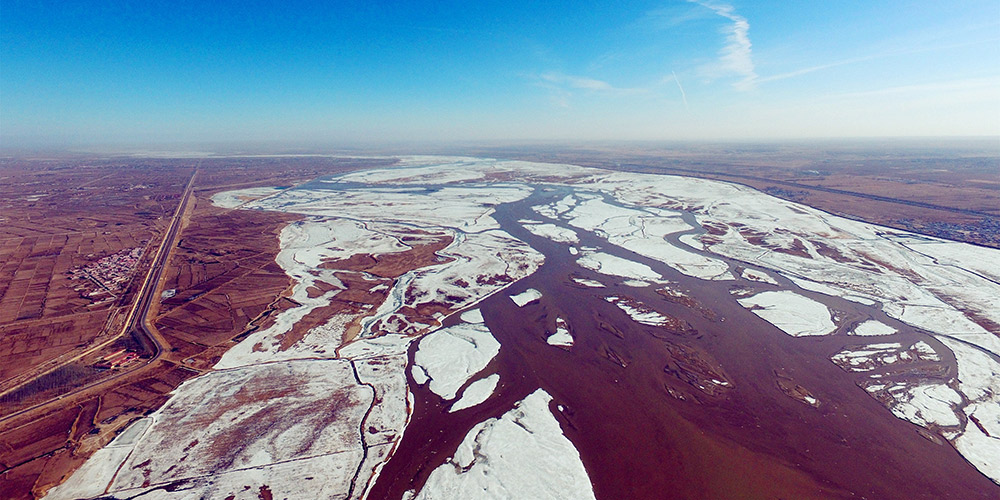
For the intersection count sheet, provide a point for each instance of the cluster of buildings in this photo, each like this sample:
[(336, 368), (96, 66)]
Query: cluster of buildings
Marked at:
[(118, 359), (111, 273)]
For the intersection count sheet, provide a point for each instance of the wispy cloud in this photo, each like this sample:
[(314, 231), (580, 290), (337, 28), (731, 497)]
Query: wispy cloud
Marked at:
[(671, 16), (736, 57), (563, 87), (929, 90), (577, 82), (679, 87), (811, 69), (871, 57)]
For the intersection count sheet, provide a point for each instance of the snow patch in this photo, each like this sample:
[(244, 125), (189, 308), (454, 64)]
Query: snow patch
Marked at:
[(233, 199)]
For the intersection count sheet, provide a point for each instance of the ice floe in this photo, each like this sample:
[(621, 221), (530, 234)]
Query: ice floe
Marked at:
[(450, 356), (476, 393), (638, 311), (472, 316), (613, 265), (522, 454), (873, 328), (868, 357), (759, 276), (526, 297), (792, 313), (554, 210), (925, 351), (588, 283), (561, 337), (636, 283), (553, 232)]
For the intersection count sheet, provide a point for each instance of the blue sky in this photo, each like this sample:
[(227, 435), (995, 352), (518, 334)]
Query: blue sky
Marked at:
[(150, 71)]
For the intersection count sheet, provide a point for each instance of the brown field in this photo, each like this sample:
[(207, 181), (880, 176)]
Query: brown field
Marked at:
[(59, 216), (225, 277)]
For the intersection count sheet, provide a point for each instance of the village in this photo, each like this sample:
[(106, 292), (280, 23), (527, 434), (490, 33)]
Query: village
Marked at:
[(110, 274)]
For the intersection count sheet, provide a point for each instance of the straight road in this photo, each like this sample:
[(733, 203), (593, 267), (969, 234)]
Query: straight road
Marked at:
[(137, 322)]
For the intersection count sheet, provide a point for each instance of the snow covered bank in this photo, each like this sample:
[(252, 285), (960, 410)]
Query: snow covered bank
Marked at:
[(241, 423), (233, 199), (946, 288), (643, 231)]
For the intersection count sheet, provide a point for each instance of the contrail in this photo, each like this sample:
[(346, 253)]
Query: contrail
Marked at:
[(683, 95)]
